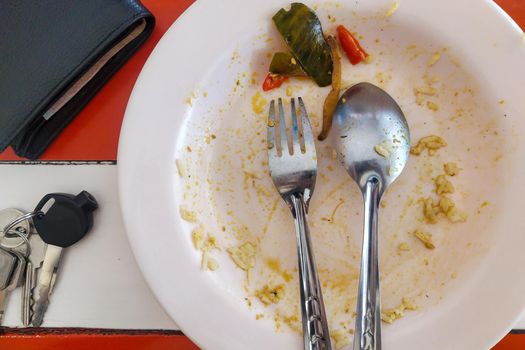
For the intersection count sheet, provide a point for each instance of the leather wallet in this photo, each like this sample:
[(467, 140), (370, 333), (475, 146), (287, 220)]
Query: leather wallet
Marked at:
[(54, 56)]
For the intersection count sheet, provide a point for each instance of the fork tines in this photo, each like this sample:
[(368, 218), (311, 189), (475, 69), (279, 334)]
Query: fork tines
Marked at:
[(300, 134)]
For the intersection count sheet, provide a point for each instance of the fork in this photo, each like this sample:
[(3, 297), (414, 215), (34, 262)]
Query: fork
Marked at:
[(293, 173)]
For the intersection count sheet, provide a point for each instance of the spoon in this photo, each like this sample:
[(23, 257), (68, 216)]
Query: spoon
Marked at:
[(371, 136)]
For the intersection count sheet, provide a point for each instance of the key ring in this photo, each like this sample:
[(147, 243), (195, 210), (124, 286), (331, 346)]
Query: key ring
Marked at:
[(9, 228)]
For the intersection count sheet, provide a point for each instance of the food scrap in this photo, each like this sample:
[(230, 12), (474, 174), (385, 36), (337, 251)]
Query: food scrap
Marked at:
[(333, 96), (212, 264), (433, 60), (425, 91), (197, 237), (403, 247), (383, 149), (258, 103), (332, 216), (425, 238), (292, 321), (340, 338), (429, 211), (206, 261), (289, 91), (391, 315), (409, 304), (422, 92), (443, 185), (204, 245), (275, 265), (180, 168), (350, 45), (392, 9), (454, 215), (431, 143), (302, 32), (451, 169), (270, 295), (253, 78), (191, 99), (188, 215), (210, 243), (444, 206), (273, 81), (432, 106), (243, 256)]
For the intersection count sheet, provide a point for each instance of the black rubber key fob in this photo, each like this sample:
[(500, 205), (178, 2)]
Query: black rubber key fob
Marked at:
[(67, 220)]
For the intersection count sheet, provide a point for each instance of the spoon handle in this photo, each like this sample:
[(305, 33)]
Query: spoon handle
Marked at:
[(315, 326), (368, 318)]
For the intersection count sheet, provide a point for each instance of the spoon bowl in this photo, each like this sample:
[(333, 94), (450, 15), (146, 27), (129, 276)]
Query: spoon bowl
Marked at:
[(370, 134)]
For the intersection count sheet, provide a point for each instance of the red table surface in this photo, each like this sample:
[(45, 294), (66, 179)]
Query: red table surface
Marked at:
[(93, 135)]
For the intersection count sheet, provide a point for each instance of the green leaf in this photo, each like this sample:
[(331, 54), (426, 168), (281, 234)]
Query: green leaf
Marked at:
[(283, 63), (301, 29)]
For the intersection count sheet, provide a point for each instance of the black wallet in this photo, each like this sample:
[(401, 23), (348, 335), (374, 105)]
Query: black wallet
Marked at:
[(54, 56)]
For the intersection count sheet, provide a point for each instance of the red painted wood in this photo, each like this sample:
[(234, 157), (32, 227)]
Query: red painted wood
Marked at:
[(83, 339), (511, 342), (516, 10)]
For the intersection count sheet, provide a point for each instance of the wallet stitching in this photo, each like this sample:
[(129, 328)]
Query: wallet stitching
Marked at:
[(127, 21)]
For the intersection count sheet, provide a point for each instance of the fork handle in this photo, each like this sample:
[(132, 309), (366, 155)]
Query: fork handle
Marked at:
[(315, 327)]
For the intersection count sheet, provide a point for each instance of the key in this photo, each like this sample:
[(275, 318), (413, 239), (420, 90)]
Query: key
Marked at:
[(7, 216), (9, 272), (17, 278), (34, 262), (66, 221)]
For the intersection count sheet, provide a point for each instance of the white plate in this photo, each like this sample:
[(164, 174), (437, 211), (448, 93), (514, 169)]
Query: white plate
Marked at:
[(196, 92)]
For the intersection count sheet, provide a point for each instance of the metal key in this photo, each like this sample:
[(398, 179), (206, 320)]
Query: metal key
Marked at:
[(66, 221), (8, 216), (12, 269), (8, 269), (34, 262)]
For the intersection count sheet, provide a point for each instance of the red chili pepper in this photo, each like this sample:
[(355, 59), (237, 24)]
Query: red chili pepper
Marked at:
[(350, 45), (273, 81)]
